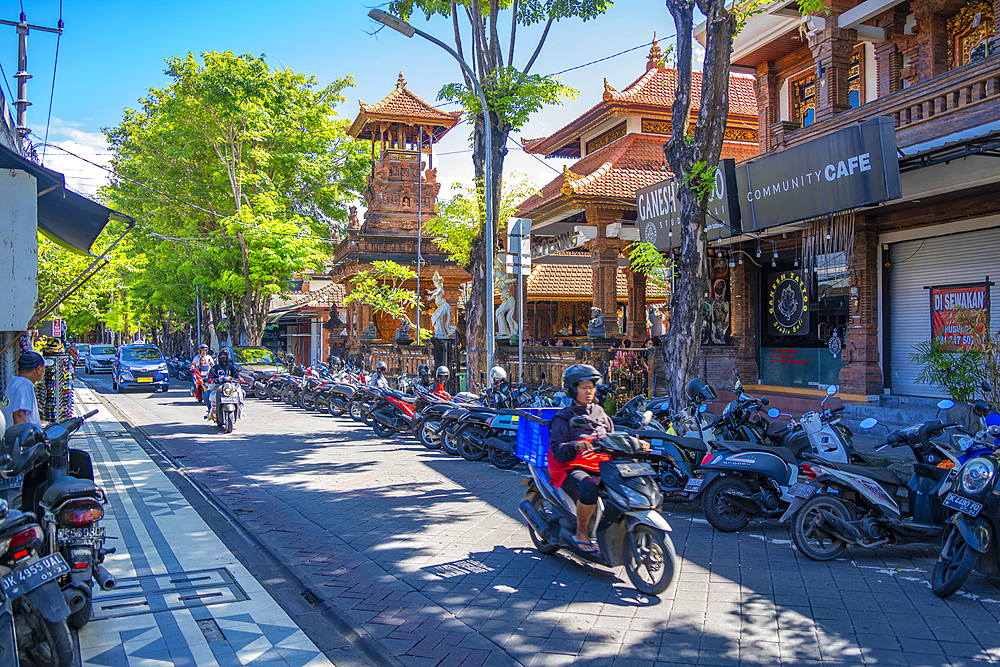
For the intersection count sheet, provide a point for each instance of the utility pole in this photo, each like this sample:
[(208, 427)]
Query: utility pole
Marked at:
[(420, 210), (22, 76)]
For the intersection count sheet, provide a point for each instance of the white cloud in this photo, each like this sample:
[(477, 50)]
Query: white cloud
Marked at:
[(81, 176)]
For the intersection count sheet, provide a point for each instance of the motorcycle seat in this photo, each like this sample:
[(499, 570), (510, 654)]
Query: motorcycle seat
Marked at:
[(733, 446), (696, 444), (884, 475), (400, 396), (68, 488)]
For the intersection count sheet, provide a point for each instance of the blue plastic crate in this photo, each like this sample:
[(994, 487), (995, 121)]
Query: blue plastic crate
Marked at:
[(533, 438)]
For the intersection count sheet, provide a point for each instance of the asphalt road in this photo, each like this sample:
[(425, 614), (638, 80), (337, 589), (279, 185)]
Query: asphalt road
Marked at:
[(426, 555)]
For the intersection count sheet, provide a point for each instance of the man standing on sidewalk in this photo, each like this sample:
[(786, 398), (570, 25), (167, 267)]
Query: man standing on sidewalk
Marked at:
[(19, 405)]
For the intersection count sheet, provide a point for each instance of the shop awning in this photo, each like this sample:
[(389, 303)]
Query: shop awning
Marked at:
[(68, 219)]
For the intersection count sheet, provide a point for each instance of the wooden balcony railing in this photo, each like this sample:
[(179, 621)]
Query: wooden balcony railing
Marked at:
[(961, 98)]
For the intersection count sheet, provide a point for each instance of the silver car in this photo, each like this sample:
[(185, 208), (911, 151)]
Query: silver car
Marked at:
[(99, 359)]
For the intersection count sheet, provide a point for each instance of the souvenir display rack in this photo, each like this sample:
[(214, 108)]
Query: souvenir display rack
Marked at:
[(55, 391)]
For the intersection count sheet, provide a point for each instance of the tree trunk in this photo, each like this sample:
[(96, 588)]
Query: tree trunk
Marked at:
[(682, 343)]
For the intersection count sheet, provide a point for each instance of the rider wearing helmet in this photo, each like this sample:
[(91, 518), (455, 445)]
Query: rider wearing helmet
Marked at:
[(202, 363), (378, 378), (225, 368), (441, 377), (572, 461)]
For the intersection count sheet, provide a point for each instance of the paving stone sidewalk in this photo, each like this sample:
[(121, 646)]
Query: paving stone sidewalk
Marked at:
[(182, 597)]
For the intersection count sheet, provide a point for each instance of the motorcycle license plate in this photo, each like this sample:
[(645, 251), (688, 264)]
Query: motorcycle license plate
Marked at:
[(963, 505), (694, 484), (29, 577), (635, 469), (85, 535), (229, 399), (802, 490), (144, 379), (11, 482)]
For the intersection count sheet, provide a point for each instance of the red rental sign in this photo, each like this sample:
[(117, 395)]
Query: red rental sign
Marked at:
[(947, 301)]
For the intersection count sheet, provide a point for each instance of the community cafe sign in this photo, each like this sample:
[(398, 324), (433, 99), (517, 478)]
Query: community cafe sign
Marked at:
[(659, 213), (952, 303), (857, 166)]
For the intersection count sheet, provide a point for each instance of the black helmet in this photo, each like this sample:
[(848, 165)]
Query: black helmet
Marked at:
[(223, 353), (381, 367), (698, 390), (22, 443), (497, 375), (442, 372), (423, 370), (289, 358), (576, 374)]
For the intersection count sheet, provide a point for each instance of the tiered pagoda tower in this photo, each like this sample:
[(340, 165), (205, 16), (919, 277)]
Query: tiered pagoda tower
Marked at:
[(401, 195)]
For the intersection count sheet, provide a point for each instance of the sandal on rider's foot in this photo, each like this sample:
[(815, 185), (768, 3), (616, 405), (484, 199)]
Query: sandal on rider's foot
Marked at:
[(586, 547)]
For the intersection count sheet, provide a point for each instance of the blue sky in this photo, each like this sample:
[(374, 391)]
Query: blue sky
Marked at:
[(112, 52)]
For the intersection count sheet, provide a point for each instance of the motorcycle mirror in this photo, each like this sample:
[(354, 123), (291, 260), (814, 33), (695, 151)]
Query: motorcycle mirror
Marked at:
[(981, 408), (543, 376), (832, 389), (946, 404), (871, 422), (773, 413), (647, 417), (993, 430), (703, 408), (986, 387), (764, 401)]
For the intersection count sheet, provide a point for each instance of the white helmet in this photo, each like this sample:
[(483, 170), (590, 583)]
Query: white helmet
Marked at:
[(497, 375)]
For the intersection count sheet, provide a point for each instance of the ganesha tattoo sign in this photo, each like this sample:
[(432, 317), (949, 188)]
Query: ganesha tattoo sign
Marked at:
[(788, 304)]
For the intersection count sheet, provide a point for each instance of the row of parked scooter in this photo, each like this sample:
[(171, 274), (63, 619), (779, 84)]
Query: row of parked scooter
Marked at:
[(751, 462), (51, 543)]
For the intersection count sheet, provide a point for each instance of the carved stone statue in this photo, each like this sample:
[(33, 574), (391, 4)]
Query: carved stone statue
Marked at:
[(352, 218), (506, 321), (441, 317), (595, 328), (403, 333), (371, 333)]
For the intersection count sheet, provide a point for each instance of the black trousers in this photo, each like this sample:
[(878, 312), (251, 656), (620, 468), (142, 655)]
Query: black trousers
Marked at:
[(582, 485)]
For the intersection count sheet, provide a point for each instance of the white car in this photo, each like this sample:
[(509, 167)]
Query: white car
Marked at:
[(84, 349), (99, 359)]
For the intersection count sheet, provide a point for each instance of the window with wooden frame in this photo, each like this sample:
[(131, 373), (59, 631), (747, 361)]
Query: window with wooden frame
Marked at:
[(856, 77), (803, 97)]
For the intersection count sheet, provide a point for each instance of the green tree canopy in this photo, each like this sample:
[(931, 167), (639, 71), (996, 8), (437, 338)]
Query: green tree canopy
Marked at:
[(236, 173)]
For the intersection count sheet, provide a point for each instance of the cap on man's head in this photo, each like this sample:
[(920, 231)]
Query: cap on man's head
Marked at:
[(30, 360)]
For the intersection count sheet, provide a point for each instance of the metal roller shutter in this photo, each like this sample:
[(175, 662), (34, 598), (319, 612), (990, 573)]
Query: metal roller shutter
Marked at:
[(967, 257)]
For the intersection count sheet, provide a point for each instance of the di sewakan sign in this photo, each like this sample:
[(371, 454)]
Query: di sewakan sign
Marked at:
[(853, 167)]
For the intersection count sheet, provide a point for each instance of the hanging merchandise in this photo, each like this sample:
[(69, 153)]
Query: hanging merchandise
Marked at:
[(55, 390)]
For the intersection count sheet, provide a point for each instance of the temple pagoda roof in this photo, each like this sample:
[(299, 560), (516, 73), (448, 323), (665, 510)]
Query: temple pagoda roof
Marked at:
[(612, 175), (650, 96), (402, 106)]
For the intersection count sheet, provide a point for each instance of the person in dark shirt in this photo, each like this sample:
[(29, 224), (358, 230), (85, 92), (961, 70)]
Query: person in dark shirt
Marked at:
[(572, 459)]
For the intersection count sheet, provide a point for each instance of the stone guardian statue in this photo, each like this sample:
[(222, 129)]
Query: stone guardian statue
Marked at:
[(441, 317)]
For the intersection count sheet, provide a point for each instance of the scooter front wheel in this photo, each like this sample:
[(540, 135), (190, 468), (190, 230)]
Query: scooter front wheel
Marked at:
[(470, 442), (381, 430), (354, 411), (954, 565), (229, 422), (49, 644), (428, 433), (260, 392), (808, 532), (650, 560), (503, 460)]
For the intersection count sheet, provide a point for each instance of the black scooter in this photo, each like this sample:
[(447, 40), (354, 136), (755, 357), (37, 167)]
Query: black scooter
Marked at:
[(58, 488)]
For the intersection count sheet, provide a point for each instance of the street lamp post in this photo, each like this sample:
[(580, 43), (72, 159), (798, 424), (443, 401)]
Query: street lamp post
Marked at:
[(408, 30)]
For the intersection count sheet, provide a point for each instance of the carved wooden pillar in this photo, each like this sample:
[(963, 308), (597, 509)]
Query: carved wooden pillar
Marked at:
[(636, 329), (861, 373), (932, 46), (767, 101), (745, 311), (831, 49), (889, 65), (604, 265)]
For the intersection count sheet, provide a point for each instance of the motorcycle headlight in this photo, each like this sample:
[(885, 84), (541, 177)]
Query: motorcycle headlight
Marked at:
[(229, 390), (631, 499), (976, 475)]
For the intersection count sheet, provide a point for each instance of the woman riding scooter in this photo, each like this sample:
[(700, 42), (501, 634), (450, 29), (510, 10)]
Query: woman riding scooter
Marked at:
[(572, 461)]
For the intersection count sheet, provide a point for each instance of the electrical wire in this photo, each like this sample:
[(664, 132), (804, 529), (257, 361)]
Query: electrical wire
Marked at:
[(7, 84), (601, 60)]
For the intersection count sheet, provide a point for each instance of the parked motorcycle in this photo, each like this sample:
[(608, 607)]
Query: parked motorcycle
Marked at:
[(33, 611), (627, 524), (845, 505), (744, 480), (58, 487)]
